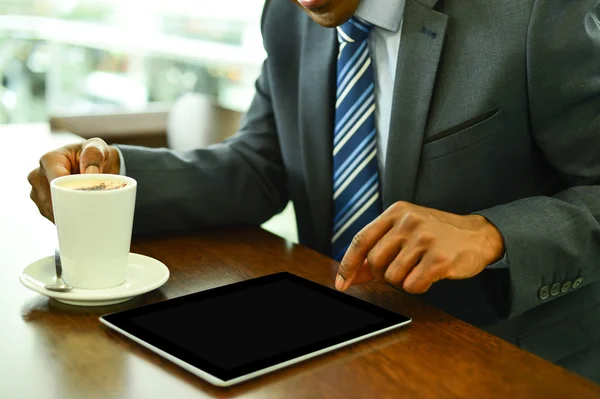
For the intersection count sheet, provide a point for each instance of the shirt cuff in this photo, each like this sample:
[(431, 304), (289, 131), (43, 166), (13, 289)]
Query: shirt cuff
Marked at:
[(501, 264), (123, 169)]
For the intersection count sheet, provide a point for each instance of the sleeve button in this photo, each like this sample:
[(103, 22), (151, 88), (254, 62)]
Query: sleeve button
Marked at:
[(555, 290), (544, 292), (566, 286), (578, 282)]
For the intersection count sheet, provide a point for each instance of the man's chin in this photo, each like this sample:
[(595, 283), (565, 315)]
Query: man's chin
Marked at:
[(330, 13), (326, 20)]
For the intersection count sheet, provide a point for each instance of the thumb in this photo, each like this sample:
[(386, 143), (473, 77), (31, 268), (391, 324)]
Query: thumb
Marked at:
[(93, 155)]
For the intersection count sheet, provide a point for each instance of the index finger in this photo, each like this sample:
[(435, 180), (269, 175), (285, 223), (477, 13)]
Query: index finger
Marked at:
[(361, 245)]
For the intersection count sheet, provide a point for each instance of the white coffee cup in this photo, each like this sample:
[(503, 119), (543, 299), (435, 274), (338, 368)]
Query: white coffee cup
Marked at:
[(94, 228)]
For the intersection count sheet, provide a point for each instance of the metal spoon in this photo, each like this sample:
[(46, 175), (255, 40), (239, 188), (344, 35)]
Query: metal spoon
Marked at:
[(59, 285)]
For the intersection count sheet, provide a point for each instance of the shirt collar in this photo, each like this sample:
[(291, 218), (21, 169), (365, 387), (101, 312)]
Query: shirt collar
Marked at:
[(386, 14)]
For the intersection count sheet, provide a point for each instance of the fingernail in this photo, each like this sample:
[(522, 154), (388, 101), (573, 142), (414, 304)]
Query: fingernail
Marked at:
[(339, 282), (92, 169)]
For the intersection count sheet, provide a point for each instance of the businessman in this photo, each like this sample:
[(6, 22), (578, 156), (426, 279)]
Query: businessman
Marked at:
[(448, 148)]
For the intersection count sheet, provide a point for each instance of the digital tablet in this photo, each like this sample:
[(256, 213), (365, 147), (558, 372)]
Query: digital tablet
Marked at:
[(233, 333)]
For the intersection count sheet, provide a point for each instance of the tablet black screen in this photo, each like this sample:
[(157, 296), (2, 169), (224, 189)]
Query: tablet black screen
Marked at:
[(244, 327)]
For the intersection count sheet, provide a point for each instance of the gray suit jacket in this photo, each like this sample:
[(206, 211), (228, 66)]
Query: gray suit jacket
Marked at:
[(496, 110)]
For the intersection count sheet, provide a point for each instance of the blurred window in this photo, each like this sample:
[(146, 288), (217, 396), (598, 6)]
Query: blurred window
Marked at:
[(81, 56)]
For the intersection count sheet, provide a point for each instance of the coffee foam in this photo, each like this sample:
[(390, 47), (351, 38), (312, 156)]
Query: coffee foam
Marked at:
[(94, 185)]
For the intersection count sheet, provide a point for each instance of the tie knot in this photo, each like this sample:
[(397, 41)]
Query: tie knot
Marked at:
[(355, 30)]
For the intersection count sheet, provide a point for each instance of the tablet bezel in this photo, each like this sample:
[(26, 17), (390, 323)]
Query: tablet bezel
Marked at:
[(119, 321)]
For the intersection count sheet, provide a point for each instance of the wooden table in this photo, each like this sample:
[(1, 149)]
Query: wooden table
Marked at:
[(52, 350)]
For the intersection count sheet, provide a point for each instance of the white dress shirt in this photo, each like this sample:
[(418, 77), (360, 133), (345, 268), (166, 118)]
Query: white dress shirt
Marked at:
[(384, 45)]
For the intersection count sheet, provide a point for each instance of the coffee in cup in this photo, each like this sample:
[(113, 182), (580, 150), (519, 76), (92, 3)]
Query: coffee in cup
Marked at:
[(94, 185)]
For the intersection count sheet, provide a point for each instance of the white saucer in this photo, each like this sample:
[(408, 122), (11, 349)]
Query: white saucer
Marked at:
[(144, 274)]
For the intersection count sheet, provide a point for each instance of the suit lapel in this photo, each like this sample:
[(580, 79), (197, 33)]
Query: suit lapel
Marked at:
[(316, 118), (421, 44)]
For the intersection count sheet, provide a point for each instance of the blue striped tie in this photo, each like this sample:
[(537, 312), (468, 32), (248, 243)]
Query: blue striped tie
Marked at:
[(355, 177)]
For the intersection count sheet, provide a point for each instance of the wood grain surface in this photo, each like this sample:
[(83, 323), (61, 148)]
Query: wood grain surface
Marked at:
[(52, 350)]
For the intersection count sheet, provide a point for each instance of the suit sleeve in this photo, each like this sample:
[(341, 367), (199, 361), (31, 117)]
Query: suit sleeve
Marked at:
[(241, 181), (555, 240)]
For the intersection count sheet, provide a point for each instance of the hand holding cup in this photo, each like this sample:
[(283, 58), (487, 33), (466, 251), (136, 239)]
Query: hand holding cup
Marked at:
[(93, 156)]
